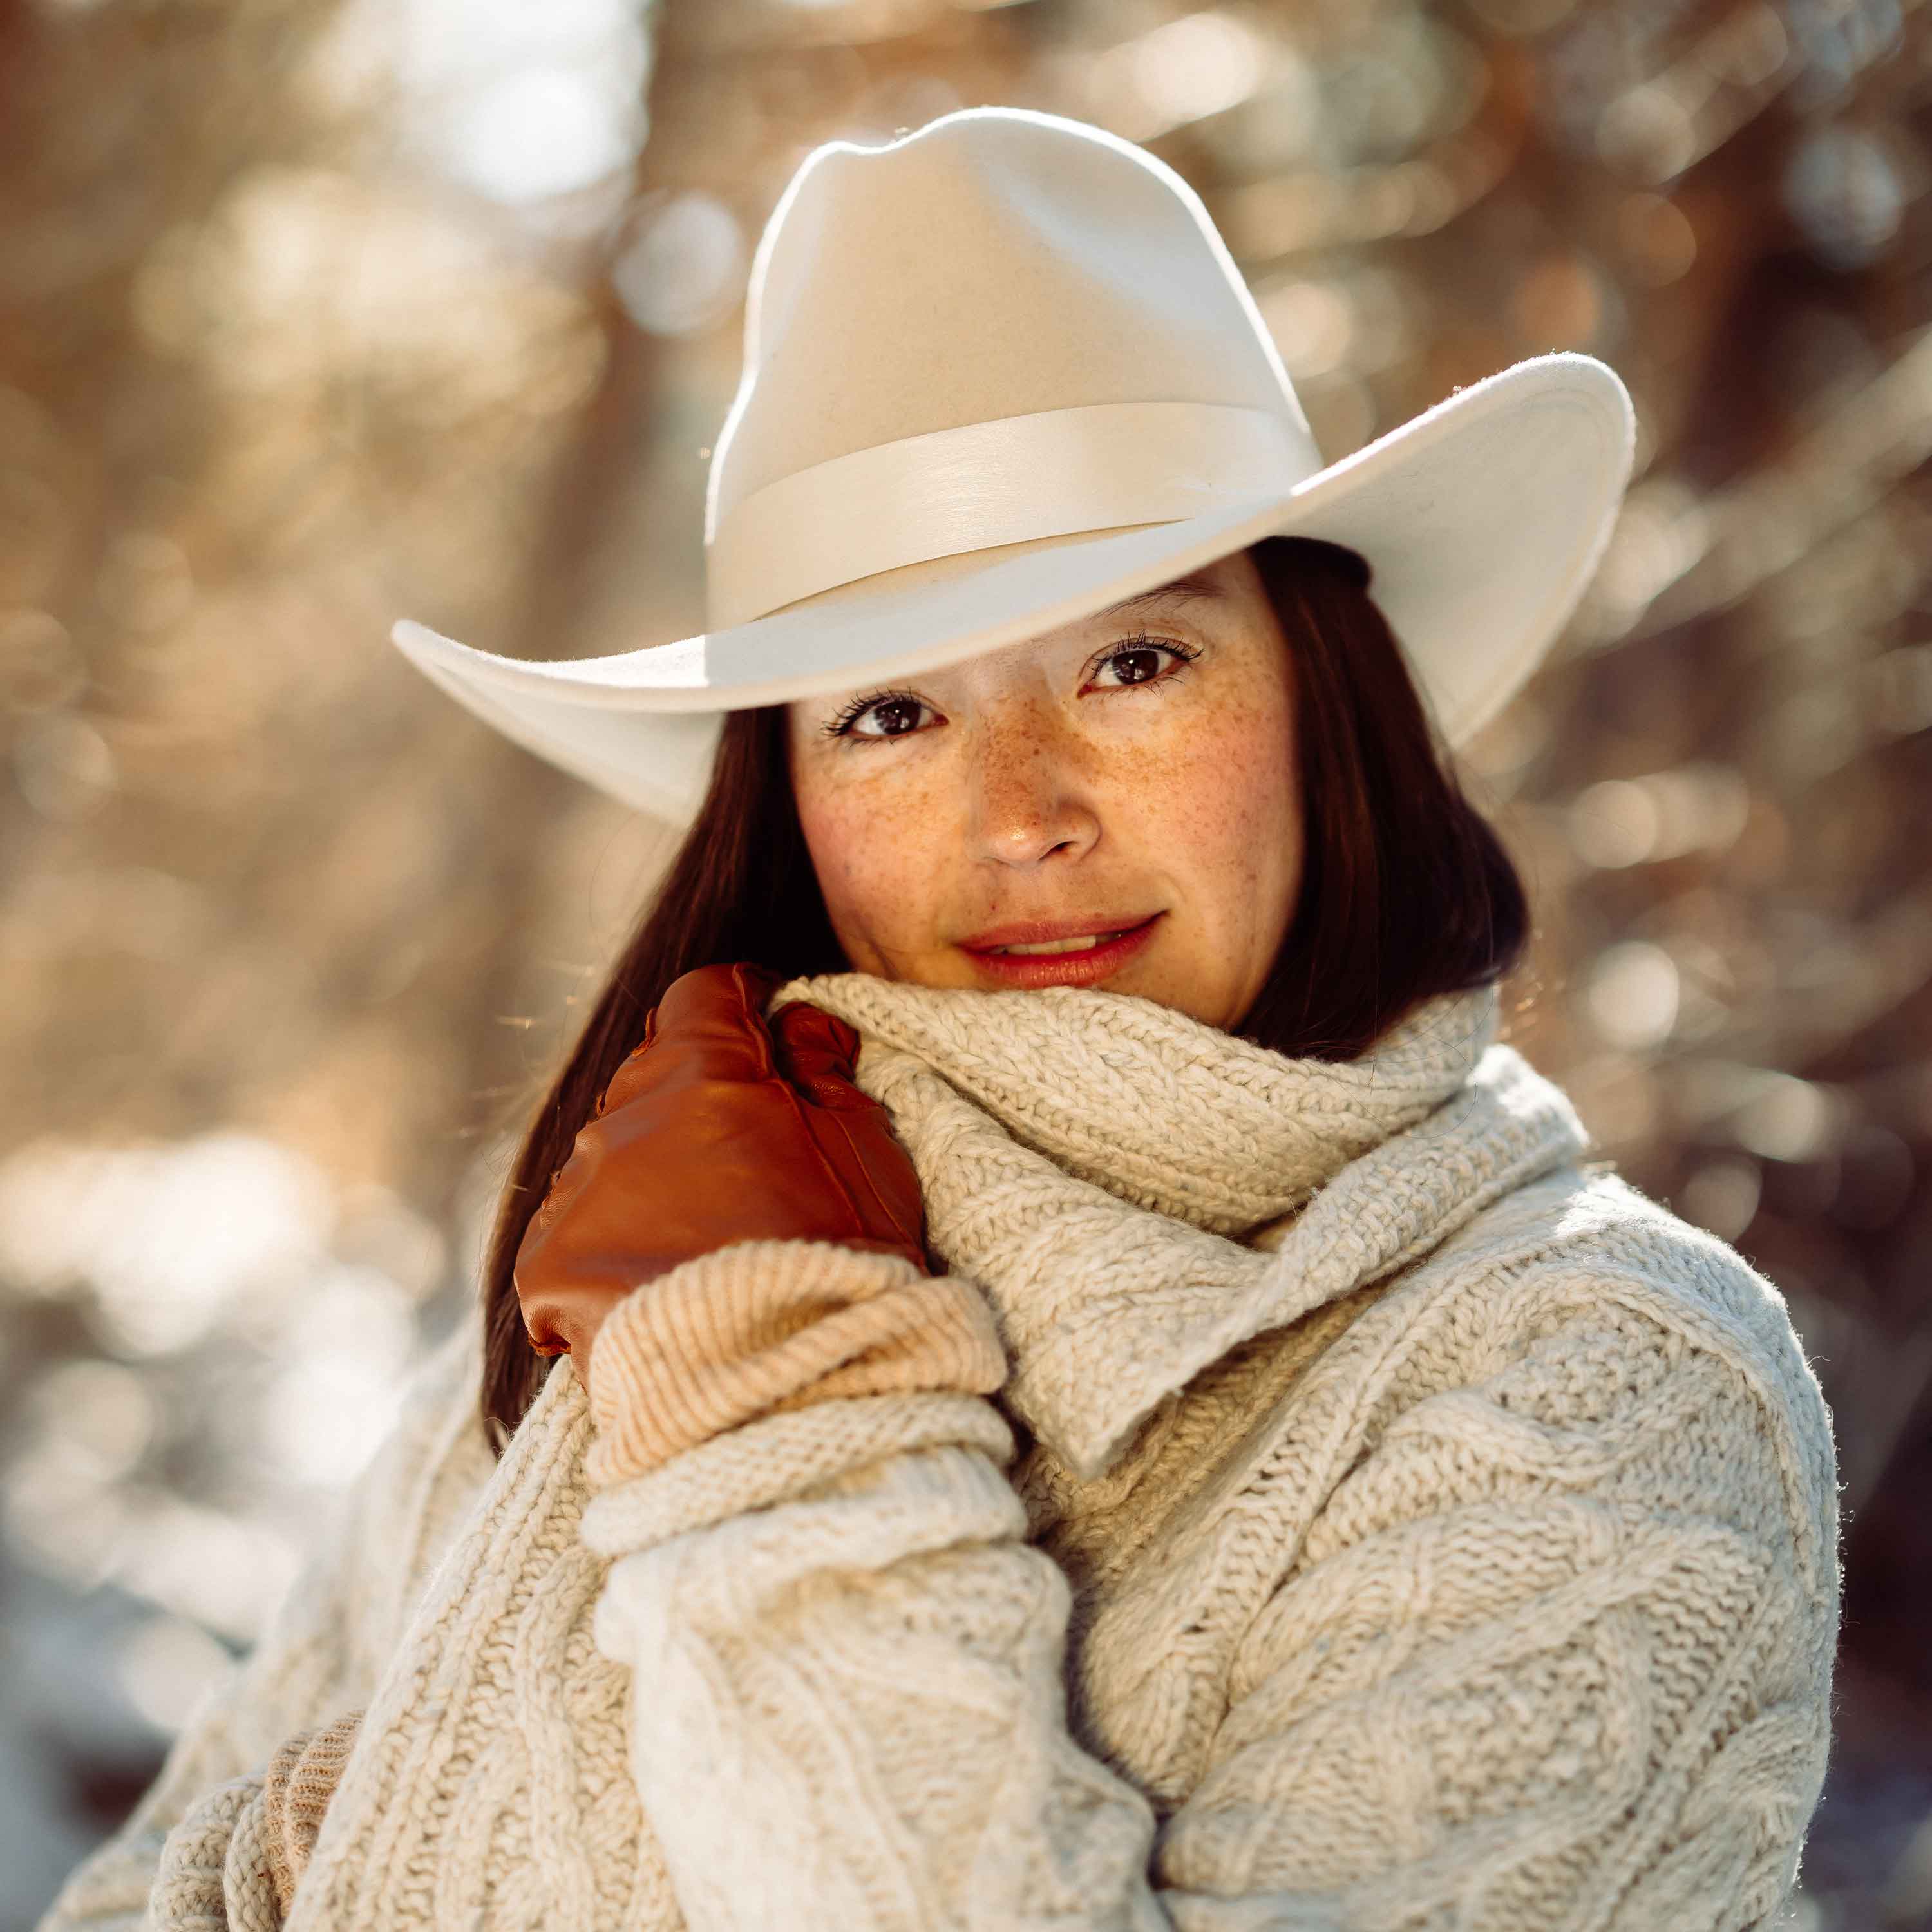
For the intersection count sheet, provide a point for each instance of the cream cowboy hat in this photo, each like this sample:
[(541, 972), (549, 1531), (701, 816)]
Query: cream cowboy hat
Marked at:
[(1002, 373)]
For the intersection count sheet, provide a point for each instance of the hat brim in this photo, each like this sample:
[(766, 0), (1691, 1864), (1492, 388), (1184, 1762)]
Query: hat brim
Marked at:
[(1484, 518)]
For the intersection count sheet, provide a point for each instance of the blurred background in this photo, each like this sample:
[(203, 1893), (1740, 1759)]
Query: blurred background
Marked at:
[(316, 312)]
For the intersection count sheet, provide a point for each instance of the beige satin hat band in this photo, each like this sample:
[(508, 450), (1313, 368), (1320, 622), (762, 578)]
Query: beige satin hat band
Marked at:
[(1053, 473)]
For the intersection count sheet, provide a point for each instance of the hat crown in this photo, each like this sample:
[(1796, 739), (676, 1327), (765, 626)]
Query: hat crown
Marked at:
[(996, 264)]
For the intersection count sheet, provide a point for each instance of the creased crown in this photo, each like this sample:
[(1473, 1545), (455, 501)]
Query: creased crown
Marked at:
[(996, 264)]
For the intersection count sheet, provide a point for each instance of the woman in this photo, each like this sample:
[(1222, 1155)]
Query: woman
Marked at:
[(1100, 1394)]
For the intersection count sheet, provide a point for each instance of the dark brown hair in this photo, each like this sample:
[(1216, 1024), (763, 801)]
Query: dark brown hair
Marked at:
[(1406, 893)]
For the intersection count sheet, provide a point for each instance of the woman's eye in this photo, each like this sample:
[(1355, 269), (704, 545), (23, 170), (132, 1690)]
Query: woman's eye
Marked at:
[(1142, 663), (886, 718)]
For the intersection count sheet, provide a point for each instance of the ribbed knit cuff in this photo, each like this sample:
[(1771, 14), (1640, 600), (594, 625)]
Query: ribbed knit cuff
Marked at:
[(301, 1779), (765, 1326)]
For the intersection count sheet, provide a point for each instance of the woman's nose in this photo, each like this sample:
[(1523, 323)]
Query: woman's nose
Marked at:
[(1031, 799)]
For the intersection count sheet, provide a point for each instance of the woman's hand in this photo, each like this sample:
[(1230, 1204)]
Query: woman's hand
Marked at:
[(718, 1129)]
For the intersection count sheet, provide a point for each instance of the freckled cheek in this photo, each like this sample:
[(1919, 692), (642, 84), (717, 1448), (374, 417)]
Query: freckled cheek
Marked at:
[(1221, 806), (876, 888)]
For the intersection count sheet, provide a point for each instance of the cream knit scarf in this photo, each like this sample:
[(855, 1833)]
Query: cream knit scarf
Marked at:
[(1086, 1155)]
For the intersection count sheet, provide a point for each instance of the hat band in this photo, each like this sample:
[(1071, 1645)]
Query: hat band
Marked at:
[(1053, 473)]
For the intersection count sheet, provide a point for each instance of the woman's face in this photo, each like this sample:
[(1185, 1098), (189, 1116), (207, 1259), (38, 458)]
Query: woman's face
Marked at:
[(1131, 773)]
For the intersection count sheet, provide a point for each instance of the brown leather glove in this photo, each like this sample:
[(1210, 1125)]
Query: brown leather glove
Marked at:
[(716, 1129)]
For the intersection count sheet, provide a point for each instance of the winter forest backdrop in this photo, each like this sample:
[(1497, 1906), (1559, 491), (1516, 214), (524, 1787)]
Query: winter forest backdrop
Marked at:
[(315, 312)]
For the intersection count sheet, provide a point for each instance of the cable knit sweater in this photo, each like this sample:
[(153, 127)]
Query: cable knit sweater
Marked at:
[(1313, 1498)]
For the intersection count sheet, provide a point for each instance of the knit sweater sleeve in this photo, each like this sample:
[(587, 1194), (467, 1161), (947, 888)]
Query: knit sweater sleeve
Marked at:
[(1547, 1655), (847, 1698), (218, 1836), (1558, 1650)]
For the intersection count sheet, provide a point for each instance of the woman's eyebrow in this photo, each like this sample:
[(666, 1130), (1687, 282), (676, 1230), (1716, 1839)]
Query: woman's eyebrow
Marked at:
[(1181, 590)]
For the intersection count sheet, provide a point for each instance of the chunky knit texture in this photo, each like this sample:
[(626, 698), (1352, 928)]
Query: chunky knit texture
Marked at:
[(1385, 1522), (238, 1857)]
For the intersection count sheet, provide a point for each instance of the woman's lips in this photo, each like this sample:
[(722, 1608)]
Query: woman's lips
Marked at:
[(1084, 968)]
